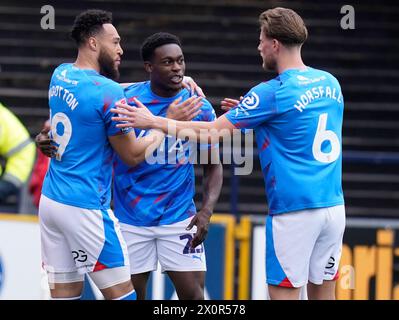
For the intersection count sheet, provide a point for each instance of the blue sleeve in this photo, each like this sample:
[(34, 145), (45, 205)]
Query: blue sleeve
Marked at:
[(258, 106), (207, 112), (112, 93)]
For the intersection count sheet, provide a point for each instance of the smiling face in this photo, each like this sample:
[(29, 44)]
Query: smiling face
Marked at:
[(109, 57), (167, 69)]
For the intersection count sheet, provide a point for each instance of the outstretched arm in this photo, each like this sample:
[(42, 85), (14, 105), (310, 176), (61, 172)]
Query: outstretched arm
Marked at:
[(208, 132), (130, 149)]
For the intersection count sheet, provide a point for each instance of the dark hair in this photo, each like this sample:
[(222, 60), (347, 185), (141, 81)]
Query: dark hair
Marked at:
[(89, 23), (156, 40), (285, 25)]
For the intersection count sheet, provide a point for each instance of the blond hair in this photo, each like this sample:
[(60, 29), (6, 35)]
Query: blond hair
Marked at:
[(285, 25)]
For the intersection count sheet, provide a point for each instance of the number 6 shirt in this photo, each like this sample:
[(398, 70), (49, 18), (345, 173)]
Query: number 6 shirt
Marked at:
[(297, 119)]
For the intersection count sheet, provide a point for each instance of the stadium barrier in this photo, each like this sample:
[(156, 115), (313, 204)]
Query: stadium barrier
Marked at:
[(21, 275), (235, 251)]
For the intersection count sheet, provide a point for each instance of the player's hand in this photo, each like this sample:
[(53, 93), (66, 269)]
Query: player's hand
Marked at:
[(228, 103), (137, 117), (45, 144), (185, 111), (201, 220), (192, 86)]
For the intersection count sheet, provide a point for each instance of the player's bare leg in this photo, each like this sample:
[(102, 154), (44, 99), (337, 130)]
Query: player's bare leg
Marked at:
[(325, 291), (114, 283), (117, 291), (72, 290), (140, 284), (283, 293), (189, 285)]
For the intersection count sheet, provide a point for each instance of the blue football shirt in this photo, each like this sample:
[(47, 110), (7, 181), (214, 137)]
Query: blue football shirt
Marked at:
[(81, 173), (160, 190), (297, 118)]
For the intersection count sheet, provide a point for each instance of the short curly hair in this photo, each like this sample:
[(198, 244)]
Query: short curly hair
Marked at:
[(89, 23), (156, 40)]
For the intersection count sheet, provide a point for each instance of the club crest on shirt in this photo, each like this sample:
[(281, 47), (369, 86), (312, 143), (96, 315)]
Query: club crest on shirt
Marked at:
[(251, 101)]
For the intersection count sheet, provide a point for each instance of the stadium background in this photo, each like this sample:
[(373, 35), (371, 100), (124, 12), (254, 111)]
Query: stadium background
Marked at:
[(219, 40)]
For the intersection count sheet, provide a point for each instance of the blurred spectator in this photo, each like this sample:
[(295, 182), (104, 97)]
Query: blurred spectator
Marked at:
[(17, 154), (39, 172)]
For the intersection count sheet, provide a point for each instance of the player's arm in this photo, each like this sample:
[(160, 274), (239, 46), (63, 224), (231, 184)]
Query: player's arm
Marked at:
[(212, 184), (249, 113), (122, 144), (207, 132), (132, 151)]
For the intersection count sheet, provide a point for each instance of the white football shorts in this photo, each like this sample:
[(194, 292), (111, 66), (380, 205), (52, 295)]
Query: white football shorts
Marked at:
[(304, 246), (168, 244), (79, 240)]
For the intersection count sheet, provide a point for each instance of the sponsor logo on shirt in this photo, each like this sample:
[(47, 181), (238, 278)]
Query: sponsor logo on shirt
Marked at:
[(63, 77), (304, 81)]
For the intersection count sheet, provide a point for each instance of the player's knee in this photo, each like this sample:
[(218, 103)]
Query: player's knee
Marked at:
[(113, 282), (196, 295), (110, 277), (192, 293), (121, 291), (65, 285)]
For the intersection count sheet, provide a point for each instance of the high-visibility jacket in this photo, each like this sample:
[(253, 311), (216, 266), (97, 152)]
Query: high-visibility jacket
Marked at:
[(16, 148)]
